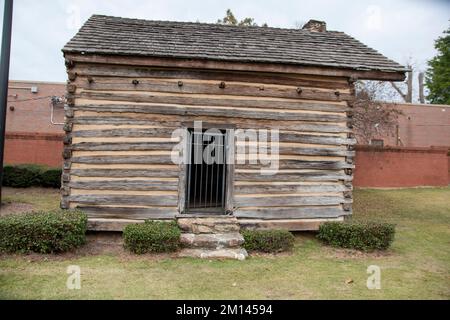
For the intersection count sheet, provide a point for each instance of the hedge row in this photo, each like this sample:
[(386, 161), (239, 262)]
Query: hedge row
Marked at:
[(152, 236), (43, 232), (365, 236), (270, 241), (30, 175)]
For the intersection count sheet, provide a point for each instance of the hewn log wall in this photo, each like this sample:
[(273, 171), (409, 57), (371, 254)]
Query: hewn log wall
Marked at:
[(119, 121)]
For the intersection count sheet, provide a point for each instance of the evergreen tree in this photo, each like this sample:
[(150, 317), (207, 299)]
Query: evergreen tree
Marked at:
[(438, 74)]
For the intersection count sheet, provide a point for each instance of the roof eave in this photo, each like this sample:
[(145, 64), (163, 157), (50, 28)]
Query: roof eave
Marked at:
[(231, 65)]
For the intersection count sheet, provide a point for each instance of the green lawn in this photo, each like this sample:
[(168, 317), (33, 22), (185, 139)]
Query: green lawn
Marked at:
[(417, 266)]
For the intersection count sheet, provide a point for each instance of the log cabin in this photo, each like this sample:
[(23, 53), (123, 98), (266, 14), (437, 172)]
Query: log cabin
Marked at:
[(133, 83)]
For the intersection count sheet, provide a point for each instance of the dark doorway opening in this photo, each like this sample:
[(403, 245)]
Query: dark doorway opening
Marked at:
[(206, 172)]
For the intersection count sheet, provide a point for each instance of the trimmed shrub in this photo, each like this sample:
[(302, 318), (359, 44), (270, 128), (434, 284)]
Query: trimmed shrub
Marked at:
[(365, 236), (51, 178), (43, 232), (22, 176), (152, 236), (31, 175), (268, 240)]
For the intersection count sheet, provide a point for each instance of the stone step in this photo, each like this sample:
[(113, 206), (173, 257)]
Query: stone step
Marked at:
[(208, 224), (212, 240), (228, 253)]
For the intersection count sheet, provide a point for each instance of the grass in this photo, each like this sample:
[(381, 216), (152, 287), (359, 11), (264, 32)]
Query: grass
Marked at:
[(40, 198), (416, 267)]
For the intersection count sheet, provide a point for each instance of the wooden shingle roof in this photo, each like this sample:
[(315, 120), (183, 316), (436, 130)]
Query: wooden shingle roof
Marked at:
[(106, 35)]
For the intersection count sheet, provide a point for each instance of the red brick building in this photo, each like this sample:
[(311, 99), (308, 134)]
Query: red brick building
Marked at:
[(33, 132), (421, 125), (416, 154)]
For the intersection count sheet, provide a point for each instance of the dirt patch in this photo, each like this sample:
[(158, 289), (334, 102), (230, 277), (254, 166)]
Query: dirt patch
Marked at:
[(15, 208), (338, 253)]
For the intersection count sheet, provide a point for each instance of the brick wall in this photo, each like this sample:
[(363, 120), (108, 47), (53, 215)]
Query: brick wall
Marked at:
[(421, 125), (401, 167), (30, 135), (30, 112), (38, 148)]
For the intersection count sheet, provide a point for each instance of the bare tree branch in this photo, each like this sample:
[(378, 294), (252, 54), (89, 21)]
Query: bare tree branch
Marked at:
[(372, 118), (398, 90)]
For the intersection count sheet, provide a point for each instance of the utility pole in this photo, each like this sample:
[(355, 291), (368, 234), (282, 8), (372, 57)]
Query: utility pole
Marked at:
[(4, 78), (421, 95)]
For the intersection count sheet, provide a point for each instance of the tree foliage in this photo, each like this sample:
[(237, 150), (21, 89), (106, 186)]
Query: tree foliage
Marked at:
[(437, 77), (230, 19)]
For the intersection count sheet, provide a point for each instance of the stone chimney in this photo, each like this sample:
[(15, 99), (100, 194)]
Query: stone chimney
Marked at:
[(315, 26)]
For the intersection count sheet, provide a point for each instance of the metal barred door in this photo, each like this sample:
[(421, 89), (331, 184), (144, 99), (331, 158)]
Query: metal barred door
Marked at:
[(206, 172)]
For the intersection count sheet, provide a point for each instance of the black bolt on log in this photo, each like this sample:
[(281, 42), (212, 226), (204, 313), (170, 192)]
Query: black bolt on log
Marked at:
[(222, 85)]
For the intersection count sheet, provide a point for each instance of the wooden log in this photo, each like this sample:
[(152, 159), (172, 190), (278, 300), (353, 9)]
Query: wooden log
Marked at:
[(129, 132), (288, 188), (64, 203), (67, 153), (289, 212), (220, 101), (279, 201), (313, 139), (68, 127), (112, 71), (122, 146), (176, 121), (67, 164), (68, 111), (319, 151), (138, 200), (137, 185), (299, 164), (124, 173), (65, 190), (214, 112), (292, 177), (67, 140), (129, 212), (303, 224), (232, 89), (208, 64), (147, 159)]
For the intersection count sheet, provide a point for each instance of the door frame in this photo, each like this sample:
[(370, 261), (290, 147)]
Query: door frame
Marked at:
[(229, 154)]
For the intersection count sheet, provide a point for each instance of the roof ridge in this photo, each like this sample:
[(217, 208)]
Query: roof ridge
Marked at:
[(213, 24)]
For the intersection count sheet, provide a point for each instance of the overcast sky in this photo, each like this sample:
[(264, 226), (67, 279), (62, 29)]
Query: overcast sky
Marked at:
[(402, 30)]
